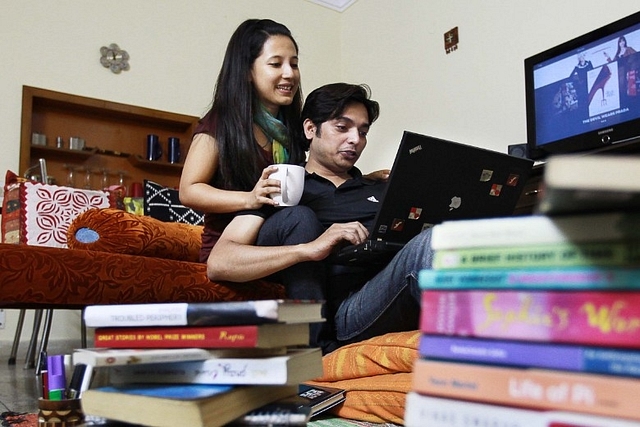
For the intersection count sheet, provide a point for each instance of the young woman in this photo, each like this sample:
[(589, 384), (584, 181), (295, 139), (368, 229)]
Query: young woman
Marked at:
[(251, 125)]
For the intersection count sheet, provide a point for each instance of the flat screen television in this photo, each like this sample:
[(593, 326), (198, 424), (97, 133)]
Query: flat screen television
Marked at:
[(585, 93)]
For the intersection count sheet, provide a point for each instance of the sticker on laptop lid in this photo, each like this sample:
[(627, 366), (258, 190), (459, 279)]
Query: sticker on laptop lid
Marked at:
[(456, 202), (415, 213), (426, 225), (397, 224), (495, 191), (513, 179), (486, 175)]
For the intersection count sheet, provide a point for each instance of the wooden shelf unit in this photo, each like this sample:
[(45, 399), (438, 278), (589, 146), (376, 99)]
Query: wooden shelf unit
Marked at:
[(115, 138)]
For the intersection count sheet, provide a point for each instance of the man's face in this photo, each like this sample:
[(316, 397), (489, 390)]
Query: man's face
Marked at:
[(340, 141)]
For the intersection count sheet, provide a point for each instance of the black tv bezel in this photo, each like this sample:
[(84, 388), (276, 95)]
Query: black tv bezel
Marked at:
[(592, 140)]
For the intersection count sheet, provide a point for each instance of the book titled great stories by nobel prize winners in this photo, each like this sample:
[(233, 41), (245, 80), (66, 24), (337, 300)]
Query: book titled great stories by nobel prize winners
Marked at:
[(239, 336)]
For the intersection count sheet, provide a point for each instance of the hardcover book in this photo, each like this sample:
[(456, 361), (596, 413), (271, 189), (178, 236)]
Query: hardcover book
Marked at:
[(311, 399), (599, 360), (540, 278), (567, 254), (203, 314), (612, 183), (193, 405), (534, 388), (599, 318), (276, 414), (422, 410), (99, 357), (296, 366), (536, 230), (259, 336)]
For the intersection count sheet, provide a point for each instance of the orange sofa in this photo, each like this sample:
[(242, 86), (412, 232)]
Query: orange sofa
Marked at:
[(117, 257)]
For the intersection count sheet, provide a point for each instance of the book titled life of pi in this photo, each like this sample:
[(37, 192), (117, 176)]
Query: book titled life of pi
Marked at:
[(580, 317), (534, 388)]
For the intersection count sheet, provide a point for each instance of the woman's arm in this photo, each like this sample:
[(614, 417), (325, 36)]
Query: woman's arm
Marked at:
[(379, 175), (199, 168)]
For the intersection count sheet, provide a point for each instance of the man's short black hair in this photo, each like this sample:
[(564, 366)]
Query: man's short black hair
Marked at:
[(329, 101)]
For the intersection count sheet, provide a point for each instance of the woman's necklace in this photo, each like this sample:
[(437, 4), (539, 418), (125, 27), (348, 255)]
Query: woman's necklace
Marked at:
[(266, 144), (259, 134)]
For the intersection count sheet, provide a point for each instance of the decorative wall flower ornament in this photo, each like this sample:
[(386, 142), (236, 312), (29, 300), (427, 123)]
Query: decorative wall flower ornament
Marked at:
[(114, 58)]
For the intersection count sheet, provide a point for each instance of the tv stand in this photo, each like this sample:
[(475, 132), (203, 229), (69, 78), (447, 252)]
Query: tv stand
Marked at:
[(533, 187)]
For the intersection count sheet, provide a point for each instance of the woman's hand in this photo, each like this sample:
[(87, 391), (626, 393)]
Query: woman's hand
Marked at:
[(379, 175), (260, 195)]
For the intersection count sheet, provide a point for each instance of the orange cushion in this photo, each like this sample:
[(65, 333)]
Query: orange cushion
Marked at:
[(117, 231), (376, 374)]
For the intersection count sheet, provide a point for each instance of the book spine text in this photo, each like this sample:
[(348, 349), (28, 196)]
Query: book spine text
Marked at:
[(542, 389), (598, 318)]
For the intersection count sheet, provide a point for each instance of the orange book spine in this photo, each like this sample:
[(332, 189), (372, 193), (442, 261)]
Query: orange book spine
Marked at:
[(533, 388), (175, 337)]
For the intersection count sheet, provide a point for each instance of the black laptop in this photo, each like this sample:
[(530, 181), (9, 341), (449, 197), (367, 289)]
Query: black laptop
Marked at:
[(433, 180)]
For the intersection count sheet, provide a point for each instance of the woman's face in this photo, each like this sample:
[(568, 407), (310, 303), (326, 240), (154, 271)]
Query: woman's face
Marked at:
[(275, 74)]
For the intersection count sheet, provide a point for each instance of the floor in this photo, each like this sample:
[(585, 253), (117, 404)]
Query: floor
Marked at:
[(18, 386)]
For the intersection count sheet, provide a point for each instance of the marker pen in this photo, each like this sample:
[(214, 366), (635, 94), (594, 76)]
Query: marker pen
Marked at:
[(43, 374), (86, 380), (75, 384), (57, 379)]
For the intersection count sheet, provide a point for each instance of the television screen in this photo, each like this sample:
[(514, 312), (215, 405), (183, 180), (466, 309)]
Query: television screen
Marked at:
[(585, 93)]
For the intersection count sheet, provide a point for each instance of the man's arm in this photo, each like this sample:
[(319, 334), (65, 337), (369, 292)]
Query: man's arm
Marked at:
[(236, 258)]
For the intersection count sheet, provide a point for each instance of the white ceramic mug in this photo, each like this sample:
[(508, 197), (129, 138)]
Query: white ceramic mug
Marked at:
[(291, 179)]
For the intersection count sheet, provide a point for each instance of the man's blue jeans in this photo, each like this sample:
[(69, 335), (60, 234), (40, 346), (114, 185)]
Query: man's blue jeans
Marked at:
[(387, 302)]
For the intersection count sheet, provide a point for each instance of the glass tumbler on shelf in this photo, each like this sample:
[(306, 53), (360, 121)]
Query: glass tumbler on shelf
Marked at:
[(87, 178), (105, 179), (121, 175), (71, 175)]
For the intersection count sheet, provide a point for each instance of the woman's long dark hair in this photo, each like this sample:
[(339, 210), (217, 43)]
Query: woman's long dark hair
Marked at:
[(234, 103)]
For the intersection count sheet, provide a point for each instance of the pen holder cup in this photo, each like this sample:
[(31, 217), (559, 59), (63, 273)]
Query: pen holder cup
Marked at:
[(60, 413)]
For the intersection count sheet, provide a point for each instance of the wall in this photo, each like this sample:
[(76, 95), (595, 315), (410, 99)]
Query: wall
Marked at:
[(473, 95), (176, 50)]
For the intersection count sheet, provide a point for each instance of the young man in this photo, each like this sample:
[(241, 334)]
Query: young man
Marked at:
[(337, 206)]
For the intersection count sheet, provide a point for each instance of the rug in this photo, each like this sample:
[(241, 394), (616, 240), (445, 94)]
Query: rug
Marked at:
[(22, 419), (343, 422), (18, 419)]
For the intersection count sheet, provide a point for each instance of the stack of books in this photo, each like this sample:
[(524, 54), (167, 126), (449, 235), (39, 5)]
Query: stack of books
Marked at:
[(200, 364), (533, 320)]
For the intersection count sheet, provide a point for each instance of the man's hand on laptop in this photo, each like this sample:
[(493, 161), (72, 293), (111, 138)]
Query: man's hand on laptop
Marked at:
[(351, 232)]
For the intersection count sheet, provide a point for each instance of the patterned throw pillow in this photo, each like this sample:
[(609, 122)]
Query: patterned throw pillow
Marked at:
[(164, 204)]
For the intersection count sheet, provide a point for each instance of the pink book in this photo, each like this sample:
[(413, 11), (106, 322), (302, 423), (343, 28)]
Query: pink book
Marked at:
[(598, 318)]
